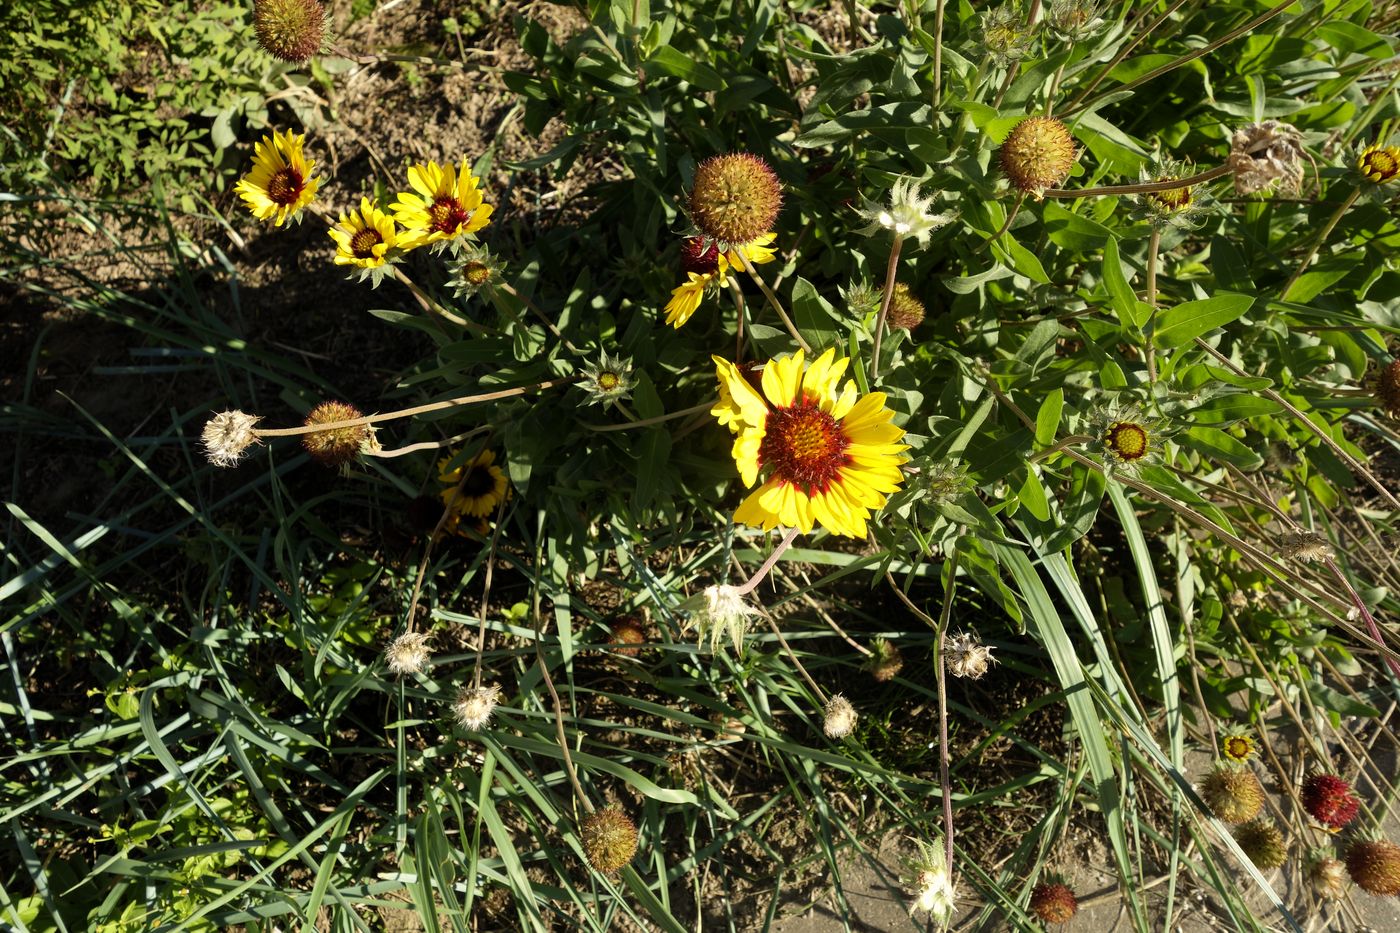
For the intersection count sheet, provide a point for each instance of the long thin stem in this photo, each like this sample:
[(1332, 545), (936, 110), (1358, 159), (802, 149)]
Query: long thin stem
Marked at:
[(1153, 245), (938, 55), (1318, 243), (415, 410), (432, 306), (746, 588), (426, 445), (1123, 52), (738, 294), (773, 300), (1366, 616), (486, 591), (1143, 188), (560, 735), (885, 306), (647, 422)]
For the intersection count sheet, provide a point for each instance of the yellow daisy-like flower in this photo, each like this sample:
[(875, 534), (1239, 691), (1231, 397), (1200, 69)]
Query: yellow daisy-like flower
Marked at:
[(363, 237), (280, 183), (485, 486), (829, 457), (703, 263), (1237, 745), (442, 206)]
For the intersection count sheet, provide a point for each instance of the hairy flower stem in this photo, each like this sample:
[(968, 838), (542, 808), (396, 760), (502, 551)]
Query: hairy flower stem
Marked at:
[(738, 294), (745, 589), (1366, 616), (1153, 247), (415, 410), (433, 307), (1318, 243), (885, 306), (773, 300), (486, 589), (938, 54), (560, 735), (426, 445), (1144, 188)]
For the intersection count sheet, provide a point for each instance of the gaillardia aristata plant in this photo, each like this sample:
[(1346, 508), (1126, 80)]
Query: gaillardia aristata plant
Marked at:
[(827, 455), (281, 182)]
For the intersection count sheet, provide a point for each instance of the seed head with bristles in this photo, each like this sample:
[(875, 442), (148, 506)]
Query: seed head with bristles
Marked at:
[(1374, 864), (965, 657), (1038, 153), (609, 839), (885, 661), (1305, 546), (1233, 794), (1328, 877), (723, 611), (336, 447), (838, 717), (1054, 903), (931, 883), (1266, 155), (474, 705), (906, 311), (735, 198), (408, 653), (906, 215), (1263, 842), (1329, 800), (292, 30), (227, 435)]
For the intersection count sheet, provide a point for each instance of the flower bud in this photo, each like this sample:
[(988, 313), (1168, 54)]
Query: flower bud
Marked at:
[(627, 635), (1233, 794), (1263, 842)]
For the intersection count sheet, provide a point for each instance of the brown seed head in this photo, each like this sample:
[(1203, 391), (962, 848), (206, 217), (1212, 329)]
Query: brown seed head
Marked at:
[(1263, 842), (885, 660), (1233, 794), (839, 719), (1374, 864), (291, 30), (609, 839), (1054, 903), (735, 197), (337, 446), (1328, 877), (627, 635), (906, 311), (1038, 154), (227, 435)]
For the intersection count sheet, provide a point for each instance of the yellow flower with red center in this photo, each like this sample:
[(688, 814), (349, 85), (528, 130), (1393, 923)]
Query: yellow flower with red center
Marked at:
[(704, 263), (363, 237), (471, 498), (1128, 441), (828, 455), (1237, 745), (1379, 164), (442, 206), (280, 183)]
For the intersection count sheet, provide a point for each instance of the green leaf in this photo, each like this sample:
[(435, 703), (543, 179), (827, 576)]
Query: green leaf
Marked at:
[(1227, 409), (1130, 311), (668, 61), (1047, 420), (1187, 321)]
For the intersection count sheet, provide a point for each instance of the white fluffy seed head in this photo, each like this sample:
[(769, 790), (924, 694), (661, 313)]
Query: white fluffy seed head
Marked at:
[(966, 658), (839, 717), (227, 435), (474, 705), (408, 653), (724, 612)]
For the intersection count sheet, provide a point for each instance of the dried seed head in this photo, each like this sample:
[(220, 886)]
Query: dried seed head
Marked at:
[(1305, 546), (932, 884), (292, 30), (1266, 155), (1388, 389), (609, 839), (885, 661), (227, 435), (1328, 877), (1329, 800), (337, 446), (627, 635), (1054, 903), (966, 658), (1374, 864), (723, 611), (906, 214), (1233, 794), (408, 653), (1263, 842), (839, 717), (906, 311), (474, 705), (1379, 164), (1037, 154), (735, 198)]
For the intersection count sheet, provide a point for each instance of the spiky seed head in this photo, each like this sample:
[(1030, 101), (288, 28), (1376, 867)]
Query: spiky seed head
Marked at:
[(474, 705), (906, 213), (1328, 877), (1388, 389), (336, 446), (627, 635), (1054, 903), (935, 892), (1263, 842), (965, 657), (839, 717), (609, 839), (1305, 546), (1037, 154), (292, 30), (735, 198), (1374, 864), (1329, 800), (227, 435), (885, 661), (906, 311), (723, 610), (1379, 164), (1233, 794), (408, 653)]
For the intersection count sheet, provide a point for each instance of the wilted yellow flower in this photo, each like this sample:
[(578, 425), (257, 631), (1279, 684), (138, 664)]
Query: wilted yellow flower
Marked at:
[(705, 264)]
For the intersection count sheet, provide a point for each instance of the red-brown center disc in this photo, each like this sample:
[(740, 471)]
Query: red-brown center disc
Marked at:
[(805, 446), (285, 187), (364, 241), (446, 216), (697, 258)]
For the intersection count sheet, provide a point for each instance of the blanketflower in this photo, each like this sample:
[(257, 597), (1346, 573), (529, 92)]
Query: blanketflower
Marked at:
[(363, 237), (483, 488), (704, 263), (280, 183), (443, 205), (828, 457)]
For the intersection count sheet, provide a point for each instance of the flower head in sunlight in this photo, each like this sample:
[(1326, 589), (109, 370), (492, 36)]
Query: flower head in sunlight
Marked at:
[(735, 198), (473, 706), (227, 435), (281, 182), (292, 30), (363, 238), (443, 207)]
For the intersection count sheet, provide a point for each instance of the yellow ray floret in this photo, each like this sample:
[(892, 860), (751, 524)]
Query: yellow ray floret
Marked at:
[(280, 183), (363, 237), (826, 455), (687, 296), (443, 205), (483, 488)]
